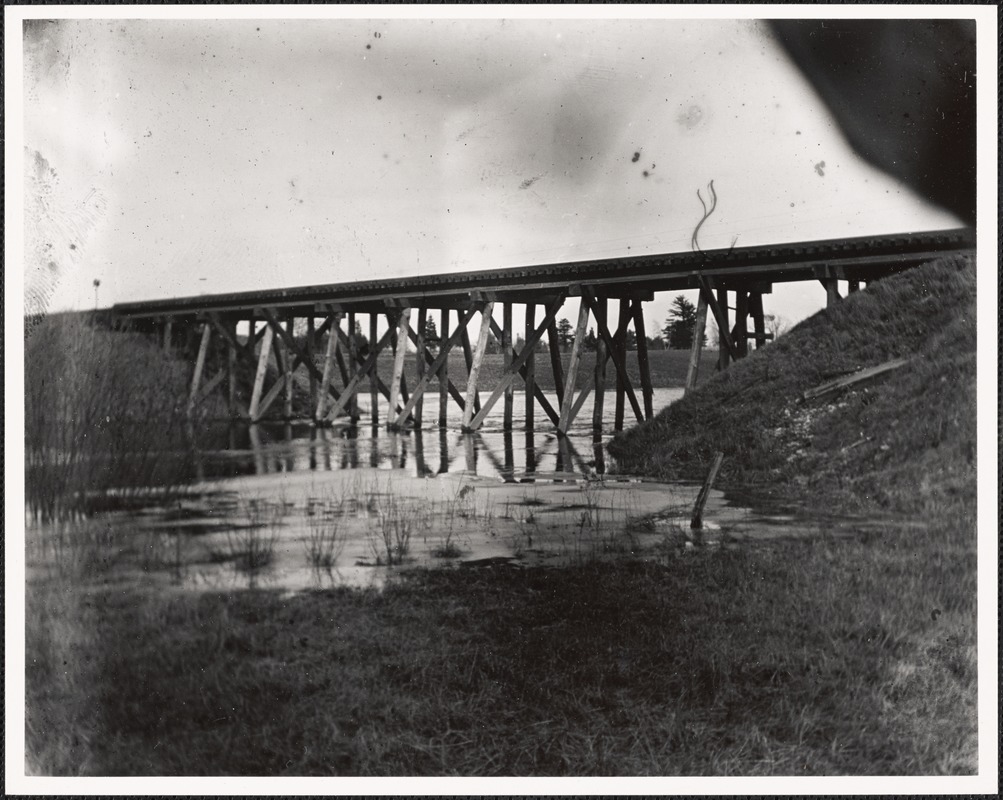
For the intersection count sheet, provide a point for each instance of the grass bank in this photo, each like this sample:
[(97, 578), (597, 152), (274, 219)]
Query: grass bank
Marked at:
[(904, 443), (681, 668)]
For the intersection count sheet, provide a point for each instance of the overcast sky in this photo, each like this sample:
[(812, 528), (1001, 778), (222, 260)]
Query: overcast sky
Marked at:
[(181, 157)]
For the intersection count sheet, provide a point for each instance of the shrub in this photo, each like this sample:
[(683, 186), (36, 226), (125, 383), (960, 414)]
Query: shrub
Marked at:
[(104, 413)]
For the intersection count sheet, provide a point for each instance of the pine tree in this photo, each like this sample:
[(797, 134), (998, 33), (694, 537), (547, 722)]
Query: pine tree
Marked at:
[(678, 330)]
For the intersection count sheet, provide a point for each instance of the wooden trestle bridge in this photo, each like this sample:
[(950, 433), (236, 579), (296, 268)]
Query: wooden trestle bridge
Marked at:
[(731, 283)]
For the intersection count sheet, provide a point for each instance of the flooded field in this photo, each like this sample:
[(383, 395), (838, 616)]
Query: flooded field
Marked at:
[(295, 507)]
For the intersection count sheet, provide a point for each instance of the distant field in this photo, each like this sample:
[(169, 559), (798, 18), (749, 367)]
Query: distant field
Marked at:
[(668, 369)]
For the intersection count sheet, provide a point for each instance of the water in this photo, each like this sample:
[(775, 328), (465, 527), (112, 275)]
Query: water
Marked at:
[(294, 507), (240, 449)]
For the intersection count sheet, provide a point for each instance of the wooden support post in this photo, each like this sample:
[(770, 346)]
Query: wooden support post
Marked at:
[(353, 359), (853, 286), (726, 348), (368, 368), (374, 396), (693, 371), (539, 395), (576, 354), (419, 362), (831, 284), (516, 367), (758, 317), (530, 378), (168, 331), (620, 342), (643, 365), (554, 343), (400, 350), (199, 365), (506, 345), (259, 376), (231, 374), (697, 522), (311, 345), (443, 375), (621, 368), (468, 357), (434, 365), (475, 366), (325, 381), (288, 409), (599, 385), (740, 335)]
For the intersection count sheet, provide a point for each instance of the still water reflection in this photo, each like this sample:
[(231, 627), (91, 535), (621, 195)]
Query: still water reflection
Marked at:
[(230, 450)]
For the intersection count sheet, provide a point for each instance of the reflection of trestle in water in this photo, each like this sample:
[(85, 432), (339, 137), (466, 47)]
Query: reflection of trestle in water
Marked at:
[(511, 455)]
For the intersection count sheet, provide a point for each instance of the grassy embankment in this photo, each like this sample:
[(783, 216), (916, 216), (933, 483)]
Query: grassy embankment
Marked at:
[(838, 655)]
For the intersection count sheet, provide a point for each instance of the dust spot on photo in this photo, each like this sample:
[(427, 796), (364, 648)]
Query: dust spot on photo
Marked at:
[(636, 158), (529, 182), (820, 168), (691, 117)]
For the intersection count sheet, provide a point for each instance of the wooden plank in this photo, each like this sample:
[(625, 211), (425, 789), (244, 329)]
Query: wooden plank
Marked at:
[(287, 410), (368, 368), (443, 375), (468, 357), (539, 394), (831, 284), (741, 329), (168, 332), (693, 370), (514, 368), (838, 384), (325, 378), (199, 365), (643, 364), (434, 367), (554, 343), (353, 359), (719, 308), (400, 349), (589, 297), (287, 338), (599, 311), (374, 397), (270, 398), (311, 345), (209, 385), (529, 376), (620, 340), (419, 362), (429, 359), (231, 374), (576, 354), (475, 367), (758, 318), (584, 394), (259, 377), (506, 346), (696, 523), (380, 385)]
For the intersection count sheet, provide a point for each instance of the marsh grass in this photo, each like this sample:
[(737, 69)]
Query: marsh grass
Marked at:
[(398, 519), (101, 410), (325, 539), (251, 546)]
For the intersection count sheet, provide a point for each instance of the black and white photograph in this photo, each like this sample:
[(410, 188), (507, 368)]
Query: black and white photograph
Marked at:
[(465, 396)]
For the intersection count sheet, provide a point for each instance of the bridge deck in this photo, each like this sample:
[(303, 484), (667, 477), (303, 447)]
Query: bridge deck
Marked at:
[(861, 258)]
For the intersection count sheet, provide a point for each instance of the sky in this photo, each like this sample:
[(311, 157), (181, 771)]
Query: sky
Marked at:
[(170, 157)]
